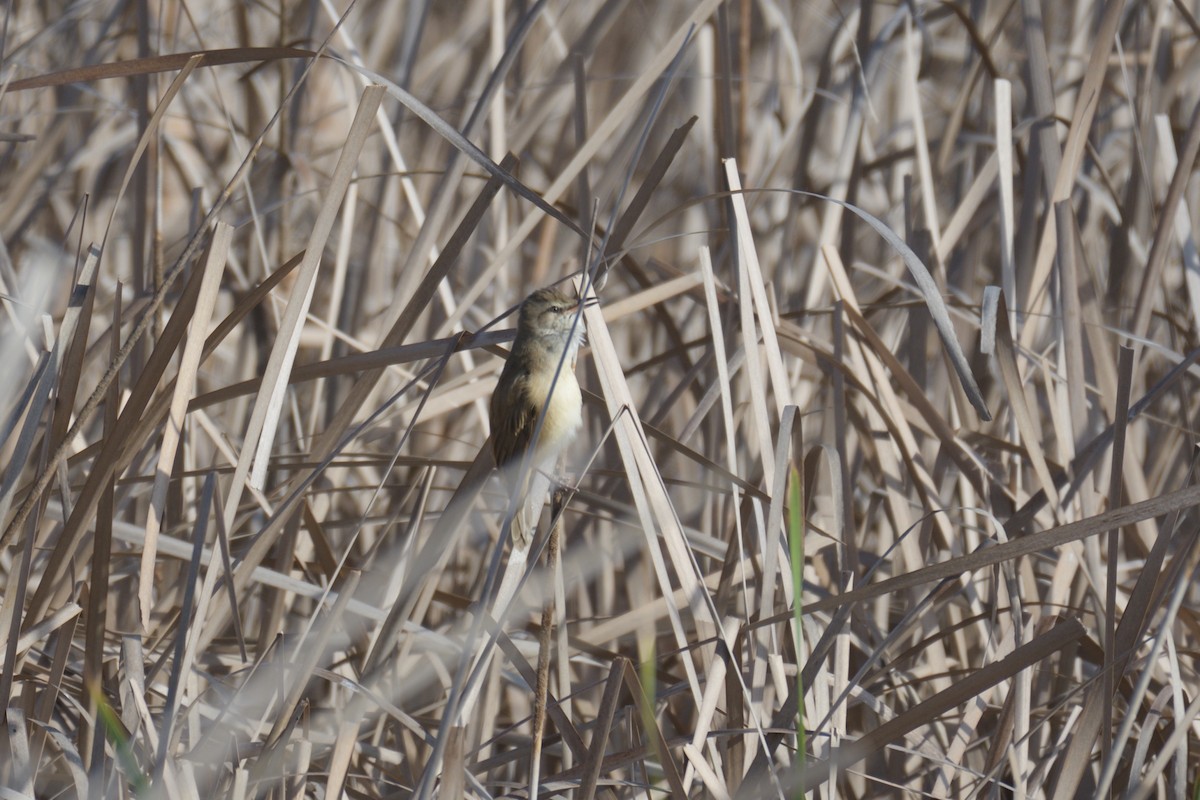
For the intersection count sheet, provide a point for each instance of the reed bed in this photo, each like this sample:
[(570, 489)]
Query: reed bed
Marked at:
[(887, 482)]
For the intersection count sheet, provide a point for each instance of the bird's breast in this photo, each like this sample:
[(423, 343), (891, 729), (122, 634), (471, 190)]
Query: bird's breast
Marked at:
[(564, 411)]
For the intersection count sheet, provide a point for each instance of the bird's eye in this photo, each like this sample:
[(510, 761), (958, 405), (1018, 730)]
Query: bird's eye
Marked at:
[(556, 309)]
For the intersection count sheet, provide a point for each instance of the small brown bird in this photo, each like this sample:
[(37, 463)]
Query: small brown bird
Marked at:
[(547, 335)]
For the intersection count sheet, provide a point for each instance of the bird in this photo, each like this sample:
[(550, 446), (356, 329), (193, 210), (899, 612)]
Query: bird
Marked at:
[(548, 334)]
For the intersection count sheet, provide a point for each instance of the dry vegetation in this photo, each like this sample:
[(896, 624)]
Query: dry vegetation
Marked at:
[(889, 399)]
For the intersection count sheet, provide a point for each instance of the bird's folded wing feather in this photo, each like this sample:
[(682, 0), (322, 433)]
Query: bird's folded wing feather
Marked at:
[(514, 418)]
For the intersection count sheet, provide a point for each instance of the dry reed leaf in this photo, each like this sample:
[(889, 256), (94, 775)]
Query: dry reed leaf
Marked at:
[(185, 381), (1061, 635), (1180, 500), (751, 302), (956, 226), (180, 549), (72, 333), (929, 211), (603, 131), (260, 436), (1021, 412), (651, 501), (155, 64)]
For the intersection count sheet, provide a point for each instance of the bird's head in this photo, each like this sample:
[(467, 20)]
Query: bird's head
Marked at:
[(549, 313)]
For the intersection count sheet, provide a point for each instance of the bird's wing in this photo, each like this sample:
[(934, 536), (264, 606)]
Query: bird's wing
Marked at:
[(513, 418)]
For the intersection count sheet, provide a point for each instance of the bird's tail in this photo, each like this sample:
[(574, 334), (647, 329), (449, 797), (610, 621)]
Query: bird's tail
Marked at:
[(529, 510)]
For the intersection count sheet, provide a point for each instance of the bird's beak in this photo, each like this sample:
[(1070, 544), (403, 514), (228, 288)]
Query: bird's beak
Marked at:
[(588, 302)]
